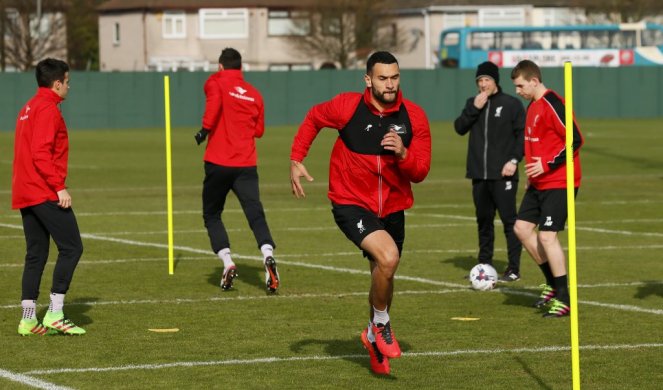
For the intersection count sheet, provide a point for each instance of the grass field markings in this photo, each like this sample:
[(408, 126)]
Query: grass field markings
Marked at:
[(24, 379), (330, 268), (593, 303), (244, 298), (242, 362), (623, 232), (606, 221)]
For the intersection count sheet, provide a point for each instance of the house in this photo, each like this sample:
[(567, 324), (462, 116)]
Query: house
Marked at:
[(139, 35)]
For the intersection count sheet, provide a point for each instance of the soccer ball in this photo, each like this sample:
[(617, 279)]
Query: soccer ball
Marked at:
[(483, 277)]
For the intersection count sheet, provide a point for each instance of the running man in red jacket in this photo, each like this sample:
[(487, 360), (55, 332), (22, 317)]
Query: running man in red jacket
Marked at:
[(383, 145), (234, 117), (544, 204), (41, 152)]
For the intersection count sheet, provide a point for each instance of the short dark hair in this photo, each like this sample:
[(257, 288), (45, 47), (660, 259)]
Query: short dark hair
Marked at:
[(50, 70), (380, 57), (527, 69), (230, 59)]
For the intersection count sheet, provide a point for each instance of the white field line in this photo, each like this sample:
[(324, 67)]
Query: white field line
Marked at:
[(246, 298), (242, 362), (336, 269), (29, 381)]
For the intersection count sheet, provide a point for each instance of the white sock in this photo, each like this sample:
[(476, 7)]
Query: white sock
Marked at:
[(29, 309), (57, 302), (370, 335), (224, 255), (380, 316), (267, 251)]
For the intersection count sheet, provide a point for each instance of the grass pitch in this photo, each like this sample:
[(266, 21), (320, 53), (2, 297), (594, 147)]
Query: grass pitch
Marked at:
[(307, 336)]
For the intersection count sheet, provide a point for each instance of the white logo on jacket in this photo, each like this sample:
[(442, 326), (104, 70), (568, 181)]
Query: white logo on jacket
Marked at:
[(241, 93), (498, 112), (509, 186), (368, 128), (24, 117), (398, 129)]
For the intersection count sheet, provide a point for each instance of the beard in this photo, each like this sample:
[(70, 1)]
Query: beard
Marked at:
[(384, 97)]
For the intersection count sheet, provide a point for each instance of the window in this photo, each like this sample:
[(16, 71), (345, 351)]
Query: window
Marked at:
[(283, 23), (224, 23), (173, 24), (116, 33)]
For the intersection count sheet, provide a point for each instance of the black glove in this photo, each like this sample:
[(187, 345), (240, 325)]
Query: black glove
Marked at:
[(201, 135)]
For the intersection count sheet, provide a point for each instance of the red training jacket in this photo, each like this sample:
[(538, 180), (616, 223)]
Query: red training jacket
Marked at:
[(545, 137), (41, 151), (378, 182), (235, 116)]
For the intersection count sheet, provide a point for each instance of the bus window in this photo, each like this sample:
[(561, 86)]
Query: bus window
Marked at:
[(482, 41), (451, 39), (512, 40), (652, 38), (569, 40), (595, 39), (622, 39)]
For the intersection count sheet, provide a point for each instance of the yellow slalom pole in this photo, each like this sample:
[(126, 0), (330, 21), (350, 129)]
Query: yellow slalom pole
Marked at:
[(169, 174), (570, 200)]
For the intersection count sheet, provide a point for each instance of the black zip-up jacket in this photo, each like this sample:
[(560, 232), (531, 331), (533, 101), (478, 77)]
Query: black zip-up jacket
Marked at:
[(496, 135)]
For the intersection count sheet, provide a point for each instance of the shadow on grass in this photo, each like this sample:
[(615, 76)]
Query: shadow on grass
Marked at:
[(521, 297), (253, 275), (531, 373), (76, 310), (651, 287), (348, 349), (467, 262)]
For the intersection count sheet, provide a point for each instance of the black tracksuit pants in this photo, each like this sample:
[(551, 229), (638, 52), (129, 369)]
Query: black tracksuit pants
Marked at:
[(491, 196), (243, 181), (40, 223)]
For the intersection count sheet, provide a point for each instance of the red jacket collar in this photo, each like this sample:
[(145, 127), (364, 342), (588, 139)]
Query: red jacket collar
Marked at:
[(231, 74), (49, 94), (390, 110)]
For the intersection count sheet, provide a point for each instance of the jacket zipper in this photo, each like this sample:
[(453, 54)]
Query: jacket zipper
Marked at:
[(379, 162), (379, 186), (485, 143)]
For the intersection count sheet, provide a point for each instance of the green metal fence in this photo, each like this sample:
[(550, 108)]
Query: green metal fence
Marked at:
[(130, 100)]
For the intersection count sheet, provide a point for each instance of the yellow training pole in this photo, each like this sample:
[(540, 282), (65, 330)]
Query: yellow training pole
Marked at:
[(169, 174), (570, 200)]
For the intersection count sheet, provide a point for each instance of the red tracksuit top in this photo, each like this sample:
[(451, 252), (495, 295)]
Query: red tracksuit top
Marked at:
[(545, 137), (235, 116), (377, 181), (41, 151)]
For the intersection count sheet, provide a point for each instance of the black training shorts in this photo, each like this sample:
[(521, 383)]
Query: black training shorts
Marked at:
[(546, 208), (357, 223)]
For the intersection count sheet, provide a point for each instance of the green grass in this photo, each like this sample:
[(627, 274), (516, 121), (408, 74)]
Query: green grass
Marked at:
[(308, 335)]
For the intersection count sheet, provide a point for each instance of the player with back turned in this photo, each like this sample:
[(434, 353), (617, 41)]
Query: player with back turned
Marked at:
[(234, 117)]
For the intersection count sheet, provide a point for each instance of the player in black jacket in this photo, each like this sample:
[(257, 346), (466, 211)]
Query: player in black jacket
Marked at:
[(495, 122)]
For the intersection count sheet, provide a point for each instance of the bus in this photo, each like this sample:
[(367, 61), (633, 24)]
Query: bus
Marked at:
[(611, 45)]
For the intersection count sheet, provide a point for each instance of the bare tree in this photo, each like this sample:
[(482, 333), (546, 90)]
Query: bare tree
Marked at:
[(29, 35), (345, 31)]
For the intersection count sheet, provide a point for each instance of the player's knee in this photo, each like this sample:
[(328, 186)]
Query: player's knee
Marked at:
[(547, 238), (388, 261), (522, 230)]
